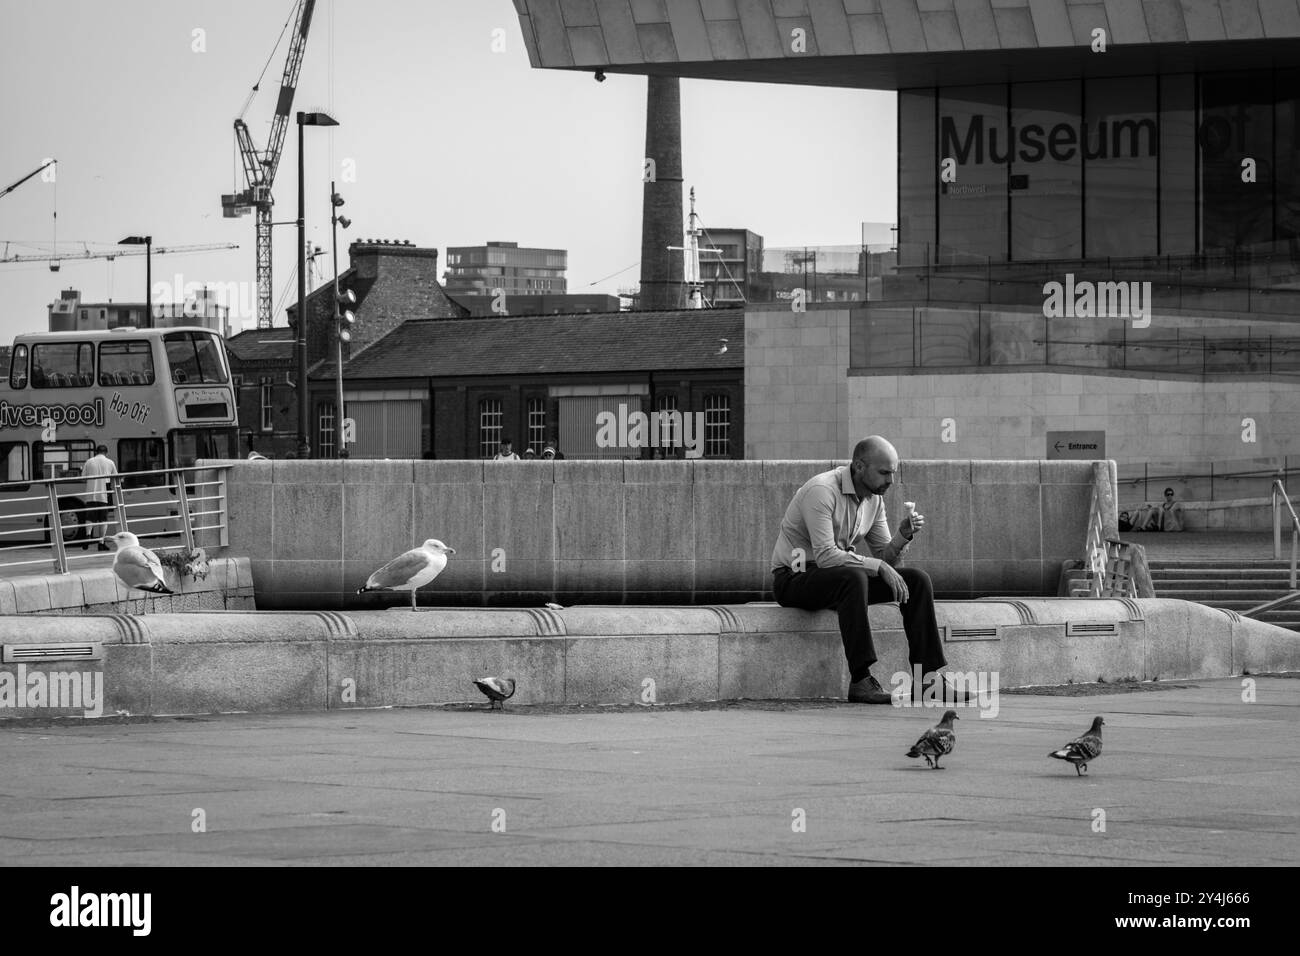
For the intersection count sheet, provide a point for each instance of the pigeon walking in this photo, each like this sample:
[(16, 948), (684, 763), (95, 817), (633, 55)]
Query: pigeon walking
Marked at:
[(137, 567), (497, 689), (410, 571), (1082, 749), (936, 741)]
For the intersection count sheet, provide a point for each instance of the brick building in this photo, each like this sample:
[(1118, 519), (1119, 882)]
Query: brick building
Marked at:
[(393, 282), (455, 389), (262, 363)]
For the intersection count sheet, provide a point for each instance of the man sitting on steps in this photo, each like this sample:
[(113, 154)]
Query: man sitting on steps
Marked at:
[(814, 565)]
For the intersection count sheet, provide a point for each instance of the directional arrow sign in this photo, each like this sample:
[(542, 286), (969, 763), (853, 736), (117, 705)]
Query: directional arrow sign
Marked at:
[(1076, 446)]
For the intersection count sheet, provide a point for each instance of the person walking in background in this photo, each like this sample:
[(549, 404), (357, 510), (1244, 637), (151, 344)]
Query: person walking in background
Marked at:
[(97, 471), (506, 453)]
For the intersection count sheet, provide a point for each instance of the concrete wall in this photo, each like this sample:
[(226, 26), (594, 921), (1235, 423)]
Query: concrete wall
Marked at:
[(1009, 414), (232, 661), (800, 402), (1245, 514), (796, 390), (587, 532)]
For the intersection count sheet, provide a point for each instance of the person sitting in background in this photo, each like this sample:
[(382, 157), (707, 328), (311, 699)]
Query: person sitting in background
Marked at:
[(530, 454), (507, 452), (1144, 519), (1170, 514)]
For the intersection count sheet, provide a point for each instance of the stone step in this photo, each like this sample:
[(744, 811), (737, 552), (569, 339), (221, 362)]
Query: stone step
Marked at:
[(1246, 563), (1219, 584), (1219, 596), (1233, 604)]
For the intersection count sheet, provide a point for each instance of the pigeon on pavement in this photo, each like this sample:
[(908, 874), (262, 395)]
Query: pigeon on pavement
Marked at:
[(936, 741), (1082, 749), (497, 689), (410, 571), (137, 567)]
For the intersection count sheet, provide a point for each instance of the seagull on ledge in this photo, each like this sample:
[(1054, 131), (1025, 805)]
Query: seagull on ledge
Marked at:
[(410, 571), (137, 567)]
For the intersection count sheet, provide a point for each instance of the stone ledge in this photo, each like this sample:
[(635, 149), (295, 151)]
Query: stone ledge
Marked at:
[(272, 661), (228, 584)]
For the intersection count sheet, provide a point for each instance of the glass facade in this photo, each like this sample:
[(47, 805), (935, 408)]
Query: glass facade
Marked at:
[(1100, 168), (883, 338)]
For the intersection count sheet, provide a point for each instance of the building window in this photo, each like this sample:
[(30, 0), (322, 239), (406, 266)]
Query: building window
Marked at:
[(489, 427), (670, 424), (717, 426), (325, 429), (266, 403), (537, 424)]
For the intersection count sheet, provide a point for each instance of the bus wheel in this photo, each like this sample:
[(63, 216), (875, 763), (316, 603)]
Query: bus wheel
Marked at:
[(73, 522)]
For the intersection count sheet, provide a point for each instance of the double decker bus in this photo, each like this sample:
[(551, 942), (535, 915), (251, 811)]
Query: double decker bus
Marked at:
[(157, 397)]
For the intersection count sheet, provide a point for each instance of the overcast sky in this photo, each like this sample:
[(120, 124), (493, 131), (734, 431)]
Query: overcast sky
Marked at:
[(451, 142)]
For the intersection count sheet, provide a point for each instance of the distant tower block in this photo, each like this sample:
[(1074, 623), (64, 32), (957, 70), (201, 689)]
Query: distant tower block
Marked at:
[(661, 209)]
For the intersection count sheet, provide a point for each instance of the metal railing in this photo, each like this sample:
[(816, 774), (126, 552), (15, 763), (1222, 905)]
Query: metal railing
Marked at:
[(1280, 498), (44, 520), (1095, 545), (1230, 480)]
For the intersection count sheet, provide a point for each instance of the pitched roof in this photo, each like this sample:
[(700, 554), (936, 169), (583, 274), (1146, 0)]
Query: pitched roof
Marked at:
[(589, 342), (258, 345)]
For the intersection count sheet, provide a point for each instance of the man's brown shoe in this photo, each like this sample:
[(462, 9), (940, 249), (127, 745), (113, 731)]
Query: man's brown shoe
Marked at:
[(867, 691)]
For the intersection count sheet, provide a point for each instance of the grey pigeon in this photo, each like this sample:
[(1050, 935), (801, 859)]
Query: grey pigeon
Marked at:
[(410, 571), (137, 567), (936, 741), (1082, 749), (497, 690)]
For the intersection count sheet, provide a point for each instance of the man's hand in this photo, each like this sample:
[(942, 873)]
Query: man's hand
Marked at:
[(895, 582), (911, 525)]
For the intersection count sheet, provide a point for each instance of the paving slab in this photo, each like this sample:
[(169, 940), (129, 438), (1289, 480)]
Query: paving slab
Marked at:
[(1190, 776)]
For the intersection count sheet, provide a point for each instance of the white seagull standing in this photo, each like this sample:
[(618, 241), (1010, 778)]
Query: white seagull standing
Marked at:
[(410, 571), (137, 567)]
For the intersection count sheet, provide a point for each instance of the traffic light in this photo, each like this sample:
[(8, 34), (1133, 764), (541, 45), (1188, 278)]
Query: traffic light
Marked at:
[(343, 314), (343, 221)]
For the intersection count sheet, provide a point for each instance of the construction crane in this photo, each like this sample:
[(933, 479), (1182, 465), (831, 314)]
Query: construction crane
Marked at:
[(259, 168), (8, 189), (54, 259)]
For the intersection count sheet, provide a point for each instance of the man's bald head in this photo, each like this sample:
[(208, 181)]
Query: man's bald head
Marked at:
[(874, 446), (874, 466)]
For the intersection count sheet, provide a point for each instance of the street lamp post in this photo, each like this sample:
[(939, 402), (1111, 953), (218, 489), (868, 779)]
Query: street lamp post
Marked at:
[(147, 242), (304, 445)]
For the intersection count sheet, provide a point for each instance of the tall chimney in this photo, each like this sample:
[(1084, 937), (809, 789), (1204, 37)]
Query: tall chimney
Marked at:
[(661, 207)]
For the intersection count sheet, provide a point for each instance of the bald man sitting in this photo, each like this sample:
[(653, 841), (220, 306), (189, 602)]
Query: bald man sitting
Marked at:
[(815, 566)]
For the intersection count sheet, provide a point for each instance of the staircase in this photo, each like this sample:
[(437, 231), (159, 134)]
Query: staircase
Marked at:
[(1234, 583)]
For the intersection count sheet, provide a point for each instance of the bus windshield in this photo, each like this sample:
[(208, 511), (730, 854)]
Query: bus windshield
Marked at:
[(189, 446), (195, 358)]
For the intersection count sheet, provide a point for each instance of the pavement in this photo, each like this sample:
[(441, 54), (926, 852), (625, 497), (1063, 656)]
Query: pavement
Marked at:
[(1226, 546), (1191, 775)]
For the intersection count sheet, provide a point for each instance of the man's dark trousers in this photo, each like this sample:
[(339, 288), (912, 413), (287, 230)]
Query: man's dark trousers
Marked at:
[(849, 589)]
